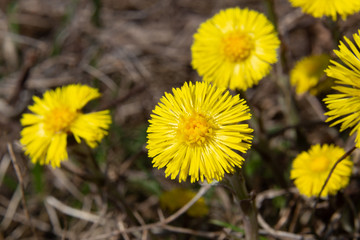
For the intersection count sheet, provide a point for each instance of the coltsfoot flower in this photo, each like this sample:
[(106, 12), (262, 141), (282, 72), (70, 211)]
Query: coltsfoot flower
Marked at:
[(176, 198), (307, 73), (330, 8), (235, 48), (344, 107), (57, 115), (197, 131), (311, 168)]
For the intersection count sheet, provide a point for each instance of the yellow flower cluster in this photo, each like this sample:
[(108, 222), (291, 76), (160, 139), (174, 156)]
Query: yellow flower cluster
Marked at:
[(197, 131)]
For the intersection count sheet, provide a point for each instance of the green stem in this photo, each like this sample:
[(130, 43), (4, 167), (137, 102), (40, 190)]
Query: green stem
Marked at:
[(95, 18), (236, 182)]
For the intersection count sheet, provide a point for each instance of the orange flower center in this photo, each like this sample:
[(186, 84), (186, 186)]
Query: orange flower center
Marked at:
[(320, 164), (237, 46), (59, 119), (195, 129)]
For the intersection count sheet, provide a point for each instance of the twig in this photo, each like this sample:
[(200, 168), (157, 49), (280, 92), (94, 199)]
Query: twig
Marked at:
[(54, 220), (73, 211), (66, 183), (42, 46), (280, 234), (182, 210), (11, 209), (211, 235), (17, 217), (142, 222), (4, 164), (160, 224), (22, 190), (266, 228), (99, 75), (122, 99), (30, 59), (330, 173)]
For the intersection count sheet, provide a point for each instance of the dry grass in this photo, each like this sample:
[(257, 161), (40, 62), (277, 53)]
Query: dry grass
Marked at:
[(133, 51)]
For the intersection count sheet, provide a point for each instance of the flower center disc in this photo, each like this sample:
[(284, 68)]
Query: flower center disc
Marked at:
[(195, 129), (59, 119), (320, 164), (237, 46)]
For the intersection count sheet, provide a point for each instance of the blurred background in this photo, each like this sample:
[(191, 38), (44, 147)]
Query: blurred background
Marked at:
[(134, 51)]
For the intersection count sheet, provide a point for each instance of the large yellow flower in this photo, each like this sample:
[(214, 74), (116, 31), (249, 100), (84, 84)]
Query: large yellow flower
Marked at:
[(56, 115), (197, 132), (307, 73), (331, 8), (310, 170), (344, 107), (235, 48)]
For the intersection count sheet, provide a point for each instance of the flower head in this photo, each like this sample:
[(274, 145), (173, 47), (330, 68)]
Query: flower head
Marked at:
[(307, 72), (56, 115), (320, 8), (197, 132), (176, 198), (235, 48), (310, 170), (344, 107)]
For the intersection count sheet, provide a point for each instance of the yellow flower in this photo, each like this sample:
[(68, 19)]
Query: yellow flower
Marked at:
[(176, 198), (197, 132), (235, 48), (331, 8), (310, 170), (307, 72), (55, 116), (344, 107)]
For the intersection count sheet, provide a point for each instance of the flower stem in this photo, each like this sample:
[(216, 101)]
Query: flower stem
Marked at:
[(236, 182)]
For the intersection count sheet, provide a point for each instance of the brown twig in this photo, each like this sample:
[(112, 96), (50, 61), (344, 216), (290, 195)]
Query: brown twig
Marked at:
[(122, 99), (280, 234), (80, 214), (160, 224), (30, 59), (22, 190), (266, 228), (211, 235)]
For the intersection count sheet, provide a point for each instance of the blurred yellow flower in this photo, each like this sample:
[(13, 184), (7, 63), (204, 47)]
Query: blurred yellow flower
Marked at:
[(330, 8), (176, 198), (56, 115), (310, 170), (344, 107), (197, 132), (307, 73), (235, 48)]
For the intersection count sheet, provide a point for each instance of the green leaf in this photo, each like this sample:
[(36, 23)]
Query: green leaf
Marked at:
[(226, 225)]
